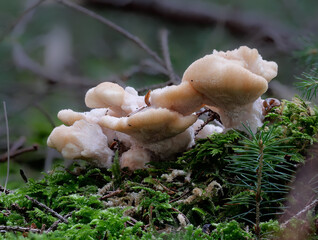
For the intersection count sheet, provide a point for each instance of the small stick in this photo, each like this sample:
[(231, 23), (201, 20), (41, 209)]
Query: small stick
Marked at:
[(25, 179), (115, 27), (114, 193), (46, 114), (13, 154), (6, 191), (56, 223), (308, 207), (18, 20), (36, 202), (18, 229), (185, 217), (178, 198), (42, 228), (15, 146), (169, 191), (166, 55), (212, 116), (8, 145)]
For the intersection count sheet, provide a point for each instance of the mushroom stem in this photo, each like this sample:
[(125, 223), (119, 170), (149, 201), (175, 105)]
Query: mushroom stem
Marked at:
[(250, 114)]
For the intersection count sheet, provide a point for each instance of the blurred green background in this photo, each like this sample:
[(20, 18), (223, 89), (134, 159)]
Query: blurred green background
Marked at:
[(53, 55)]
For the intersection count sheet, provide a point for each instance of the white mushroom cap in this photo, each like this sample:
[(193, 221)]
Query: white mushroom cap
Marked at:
[(251, 60), (82, 140), (68, 116), (105, 95), (183, 98), (150, 124), (111, 95), (231, 82), (232, 78)]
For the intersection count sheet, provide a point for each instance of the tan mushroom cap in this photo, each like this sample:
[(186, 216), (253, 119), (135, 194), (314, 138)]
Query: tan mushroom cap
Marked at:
[(105, 95), (228, 79), (68, 116), (183, 98), (110, 95), (150, 125)]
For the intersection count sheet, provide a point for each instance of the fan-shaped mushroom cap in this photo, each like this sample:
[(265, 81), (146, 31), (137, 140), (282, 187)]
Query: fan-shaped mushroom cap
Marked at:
[(82, 140), (182, 98), (111, 95), (228, 79), (151, 124), (105, 95), (68, 116)]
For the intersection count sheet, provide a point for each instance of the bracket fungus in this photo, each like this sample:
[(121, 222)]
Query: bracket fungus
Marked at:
[(163, 123)]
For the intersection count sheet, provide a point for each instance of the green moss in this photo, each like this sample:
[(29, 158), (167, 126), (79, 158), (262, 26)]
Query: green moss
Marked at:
[(145, 205), (297, 122)]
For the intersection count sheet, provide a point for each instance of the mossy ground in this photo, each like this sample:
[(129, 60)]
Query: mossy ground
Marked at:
[(191, 198)]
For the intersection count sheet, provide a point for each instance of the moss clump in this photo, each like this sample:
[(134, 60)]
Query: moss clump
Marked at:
[(168, 200), (297, 122)]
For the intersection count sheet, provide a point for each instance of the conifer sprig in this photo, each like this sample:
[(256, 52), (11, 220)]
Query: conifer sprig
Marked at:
[(308, 84), (259, 169)]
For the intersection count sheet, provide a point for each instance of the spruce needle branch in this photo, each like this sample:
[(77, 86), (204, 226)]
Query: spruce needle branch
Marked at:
[(115, 27), (166, 55), (36, 202), (308, 84), (18, 20), (8, 144)]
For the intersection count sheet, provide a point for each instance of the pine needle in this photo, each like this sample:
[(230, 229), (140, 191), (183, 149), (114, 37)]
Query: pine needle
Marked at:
[(308, 84)]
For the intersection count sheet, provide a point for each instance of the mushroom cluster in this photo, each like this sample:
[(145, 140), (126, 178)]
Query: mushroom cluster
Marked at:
[(163, 123)]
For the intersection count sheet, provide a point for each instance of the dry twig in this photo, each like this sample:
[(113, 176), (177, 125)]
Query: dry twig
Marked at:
[(24, 177), (6, 191), (18, 152), (166, 55), (18, 229), (306, 209), (8, 144), (56, 223), (19, 19), (111, 194), (238, 23), (185, 217), (211, 116), (115, 27), (36, 202)]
